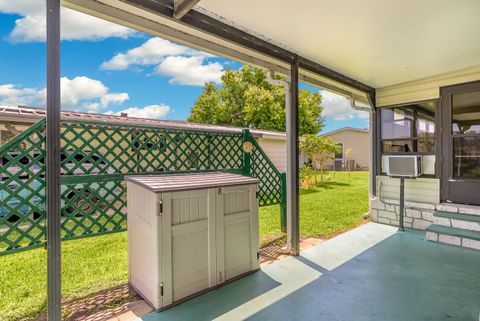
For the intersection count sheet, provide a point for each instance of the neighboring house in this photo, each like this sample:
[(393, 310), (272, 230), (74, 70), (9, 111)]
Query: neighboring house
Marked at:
[(15, 119), (355, 139)]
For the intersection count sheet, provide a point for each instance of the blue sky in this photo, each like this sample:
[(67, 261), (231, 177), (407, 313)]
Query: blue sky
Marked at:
[(107, 68)]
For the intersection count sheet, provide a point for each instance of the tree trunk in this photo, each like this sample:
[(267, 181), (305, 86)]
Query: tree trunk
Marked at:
[(321, 171)]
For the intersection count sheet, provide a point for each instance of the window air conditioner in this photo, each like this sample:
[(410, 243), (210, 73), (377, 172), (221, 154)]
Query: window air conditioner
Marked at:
[(404, 166)]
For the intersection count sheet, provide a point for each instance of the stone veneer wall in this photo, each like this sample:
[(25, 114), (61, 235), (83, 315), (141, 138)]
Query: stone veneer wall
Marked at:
[(417, 215)]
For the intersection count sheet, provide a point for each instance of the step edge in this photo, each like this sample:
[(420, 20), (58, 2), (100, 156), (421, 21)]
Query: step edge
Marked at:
[(453, 231), (457, 216)]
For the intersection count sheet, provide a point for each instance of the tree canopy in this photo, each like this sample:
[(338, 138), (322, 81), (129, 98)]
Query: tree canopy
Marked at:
[(246, 98)]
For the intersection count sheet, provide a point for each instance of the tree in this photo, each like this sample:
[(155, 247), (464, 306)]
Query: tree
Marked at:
[(348, 156), (319, 150), (246, 98)]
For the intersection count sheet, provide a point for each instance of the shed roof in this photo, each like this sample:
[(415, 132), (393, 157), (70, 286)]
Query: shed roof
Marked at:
[(178, 182), (30, 114)]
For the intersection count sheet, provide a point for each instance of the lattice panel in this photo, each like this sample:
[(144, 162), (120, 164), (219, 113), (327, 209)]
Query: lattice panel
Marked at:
[(92, 149), (94, 159), (270, 187), (93, 208), (22, 193)]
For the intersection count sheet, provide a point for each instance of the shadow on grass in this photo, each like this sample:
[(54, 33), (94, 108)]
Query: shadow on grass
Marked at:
[(323, 186)]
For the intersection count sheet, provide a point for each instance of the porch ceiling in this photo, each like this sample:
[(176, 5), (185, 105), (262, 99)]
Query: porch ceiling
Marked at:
[(377, 42)]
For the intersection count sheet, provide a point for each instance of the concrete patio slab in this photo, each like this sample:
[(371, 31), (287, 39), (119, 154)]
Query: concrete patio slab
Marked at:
[(367, 274)]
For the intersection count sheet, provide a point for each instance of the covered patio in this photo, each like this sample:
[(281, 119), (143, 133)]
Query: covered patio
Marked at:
[(370, 273), (379, 55)]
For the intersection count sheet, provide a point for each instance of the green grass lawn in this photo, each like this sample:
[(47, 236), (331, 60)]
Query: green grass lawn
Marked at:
[(327, 209), (93, 264), (89, 265)]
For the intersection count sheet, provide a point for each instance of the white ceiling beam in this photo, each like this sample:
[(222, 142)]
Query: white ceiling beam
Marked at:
[(182, 7)]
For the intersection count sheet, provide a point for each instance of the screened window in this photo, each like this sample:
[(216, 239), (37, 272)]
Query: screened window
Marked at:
[(408, 129)]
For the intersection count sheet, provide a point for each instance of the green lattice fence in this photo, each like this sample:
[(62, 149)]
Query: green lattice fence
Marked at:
[(95, 157), (261, 167)]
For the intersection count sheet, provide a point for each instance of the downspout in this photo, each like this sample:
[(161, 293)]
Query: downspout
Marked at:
[(373, 188), (285, 84), (271, 79), (359, 108)]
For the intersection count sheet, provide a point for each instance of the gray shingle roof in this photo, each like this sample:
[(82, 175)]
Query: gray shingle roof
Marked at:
[(29, 113)]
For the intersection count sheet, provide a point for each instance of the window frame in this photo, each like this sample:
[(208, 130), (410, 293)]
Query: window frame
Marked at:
[(436, 137), (413, 138)]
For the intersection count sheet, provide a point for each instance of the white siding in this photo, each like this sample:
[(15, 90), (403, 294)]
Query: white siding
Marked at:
[(357, 141), (276, 150), (421, 190), (424, 89)]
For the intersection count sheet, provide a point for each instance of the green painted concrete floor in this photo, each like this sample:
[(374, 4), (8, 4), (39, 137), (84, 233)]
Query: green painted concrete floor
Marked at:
[(367, 274)]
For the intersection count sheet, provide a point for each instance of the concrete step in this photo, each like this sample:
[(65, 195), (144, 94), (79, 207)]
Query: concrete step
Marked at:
[(459, 208), (453, 236), (457, 220)]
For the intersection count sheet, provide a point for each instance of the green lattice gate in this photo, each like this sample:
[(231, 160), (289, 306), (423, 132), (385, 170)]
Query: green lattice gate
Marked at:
[(95, 157)]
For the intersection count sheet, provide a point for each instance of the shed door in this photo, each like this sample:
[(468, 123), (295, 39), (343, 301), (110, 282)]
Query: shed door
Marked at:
[(460, 119), (237, 231), (190, 241)]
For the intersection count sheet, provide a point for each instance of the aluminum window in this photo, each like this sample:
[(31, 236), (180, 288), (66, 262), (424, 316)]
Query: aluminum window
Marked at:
[(408, 129)]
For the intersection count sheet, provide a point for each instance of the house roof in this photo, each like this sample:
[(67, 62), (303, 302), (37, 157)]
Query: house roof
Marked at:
[(360, 130), (31, 114)]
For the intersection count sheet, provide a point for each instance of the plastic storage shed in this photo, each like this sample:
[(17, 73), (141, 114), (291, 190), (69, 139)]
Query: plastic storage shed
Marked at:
[(188, 233)]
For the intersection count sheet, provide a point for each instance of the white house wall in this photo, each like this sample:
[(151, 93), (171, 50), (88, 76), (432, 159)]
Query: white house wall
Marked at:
[(425, 190), (422, 195), (424, 89), (276, 150), (359, 144)]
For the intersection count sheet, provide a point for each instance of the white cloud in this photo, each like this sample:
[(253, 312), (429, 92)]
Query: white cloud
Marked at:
[(114, 99), (190, 70), (81, 88), (152, 111), (338, 107), (151, 52), (11, 94), (107, 100), (75, 25), (182, 64), (79, 92)]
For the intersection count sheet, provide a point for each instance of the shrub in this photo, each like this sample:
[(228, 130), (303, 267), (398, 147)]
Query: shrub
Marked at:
[(306, 174)]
